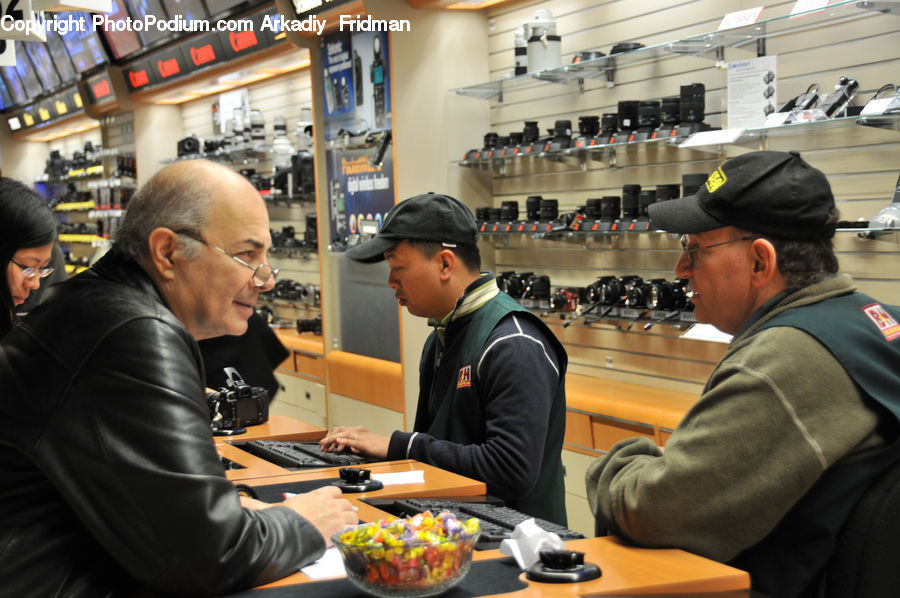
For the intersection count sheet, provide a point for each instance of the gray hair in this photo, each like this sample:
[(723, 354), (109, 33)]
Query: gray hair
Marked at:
[(177, 197)]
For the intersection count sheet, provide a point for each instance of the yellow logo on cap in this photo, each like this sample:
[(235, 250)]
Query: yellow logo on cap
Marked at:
[(715, 180)]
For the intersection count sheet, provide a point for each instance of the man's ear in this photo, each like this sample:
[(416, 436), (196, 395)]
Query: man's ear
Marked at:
[(164, 245), (447, 262), (764, 262)]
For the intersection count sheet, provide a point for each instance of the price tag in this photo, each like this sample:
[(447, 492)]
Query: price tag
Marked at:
[(776, 119), (803, 6), (19, 21), (740, 18), (713, 137), (7, 53), (878, 106)]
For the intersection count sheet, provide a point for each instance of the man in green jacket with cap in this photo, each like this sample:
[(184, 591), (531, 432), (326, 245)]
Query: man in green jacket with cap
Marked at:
[(491, 394), (799, 416)]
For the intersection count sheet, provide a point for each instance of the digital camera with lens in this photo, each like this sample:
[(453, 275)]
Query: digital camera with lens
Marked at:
[(566, 299), (237, 405)]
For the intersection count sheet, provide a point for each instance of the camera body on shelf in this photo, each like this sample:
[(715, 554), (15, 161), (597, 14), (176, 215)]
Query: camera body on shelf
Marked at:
[(237, 405)]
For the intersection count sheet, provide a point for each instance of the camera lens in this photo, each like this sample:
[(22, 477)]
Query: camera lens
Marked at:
[(538, 287), (509, 210), (531, 132), (648, 115), (628, 114), (661, 295), (637, 294), (503, 280), (645, 198), (693, 102), (482, 213), (503, 141), (593, 208), (609, 207), (690, 183), (549, 209), (612, 291), (664, 192), (588, 126), (515, 138), (609, 123), (562, 129), (533, 207), (670, 110), (515, 283), (494, 214), (630, 201), (491, 140)]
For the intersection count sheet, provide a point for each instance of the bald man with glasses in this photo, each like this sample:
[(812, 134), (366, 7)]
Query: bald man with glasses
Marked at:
[(111, 480)]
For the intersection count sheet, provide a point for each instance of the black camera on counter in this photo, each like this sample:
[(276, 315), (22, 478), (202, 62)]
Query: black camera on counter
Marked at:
[(237, 405), (188, 146)]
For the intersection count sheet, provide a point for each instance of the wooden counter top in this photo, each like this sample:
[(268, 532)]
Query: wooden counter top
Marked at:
[(627, 401), (305, 342), (626, 570)]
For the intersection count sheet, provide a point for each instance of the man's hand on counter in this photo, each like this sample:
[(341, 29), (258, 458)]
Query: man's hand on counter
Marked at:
[(358, 439)]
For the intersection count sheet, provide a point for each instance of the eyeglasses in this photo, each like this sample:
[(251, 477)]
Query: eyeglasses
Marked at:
[(261, 273), (692, 252), (31, 272)]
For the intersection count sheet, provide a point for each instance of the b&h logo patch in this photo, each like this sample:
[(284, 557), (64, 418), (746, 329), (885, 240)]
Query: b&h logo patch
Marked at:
[(465, 377), (886, 324), (716, 180)]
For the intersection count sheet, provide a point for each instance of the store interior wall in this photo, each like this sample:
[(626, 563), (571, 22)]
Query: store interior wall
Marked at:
[(861, 163)]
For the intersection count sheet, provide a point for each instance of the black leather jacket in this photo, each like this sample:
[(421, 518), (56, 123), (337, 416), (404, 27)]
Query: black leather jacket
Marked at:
[(111, 484)]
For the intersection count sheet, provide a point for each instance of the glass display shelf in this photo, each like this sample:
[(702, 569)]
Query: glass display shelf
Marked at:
[(502, 160), (714, 141), (706, 45)]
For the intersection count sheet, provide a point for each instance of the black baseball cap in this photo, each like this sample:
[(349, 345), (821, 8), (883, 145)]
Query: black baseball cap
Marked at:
[(769, 193), (427, 217)]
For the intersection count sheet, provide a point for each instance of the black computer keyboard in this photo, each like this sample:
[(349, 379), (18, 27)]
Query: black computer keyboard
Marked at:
[(299, 455), (497, 521)]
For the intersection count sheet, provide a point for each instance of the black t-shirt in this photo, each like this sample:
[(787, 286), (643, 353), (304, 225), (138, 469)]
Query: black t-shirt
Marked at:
[(254, 354)]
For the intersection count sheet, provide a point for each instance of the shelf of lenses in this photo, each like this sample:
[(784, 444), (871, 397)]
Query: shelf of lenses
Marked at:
[(635, 124), (598, 217), (590, 64), (628, 299)]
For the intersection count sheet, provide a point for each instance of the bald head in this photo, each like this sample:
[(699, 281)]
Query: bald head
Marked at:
[(179, 197)]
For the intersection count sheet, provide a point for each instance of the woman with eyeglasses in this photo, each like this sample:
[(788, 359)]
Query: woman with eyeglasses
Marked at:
[(27, 235)]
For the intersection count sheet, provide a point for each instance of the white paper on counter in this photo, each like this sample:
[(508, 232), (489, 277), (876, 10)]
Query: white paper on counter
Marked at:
[(329, 565), (401, 477)]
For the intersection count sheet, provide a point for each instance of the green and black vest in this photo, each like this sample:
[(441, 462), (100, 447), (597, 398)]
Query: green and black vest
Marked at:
[(864, 336), (459, 416)]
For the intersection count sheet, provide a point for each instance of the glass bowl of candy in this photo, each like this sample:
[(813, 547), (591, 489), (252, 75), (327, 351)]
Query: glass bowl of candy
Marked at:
[(423, 555)]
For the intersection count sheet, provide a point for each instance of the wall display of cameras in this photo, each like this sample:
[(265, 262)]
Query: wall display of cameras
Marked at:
[(291, 290), (288, 240), (609, 297), (88, 163), (671, 118), (607, 214), (278, 170)]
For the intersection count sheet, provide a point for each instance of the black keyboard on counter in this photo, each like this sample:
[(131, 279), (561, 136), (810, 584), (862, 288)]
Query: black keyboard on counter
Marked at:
[(299, 455), (497, 520)]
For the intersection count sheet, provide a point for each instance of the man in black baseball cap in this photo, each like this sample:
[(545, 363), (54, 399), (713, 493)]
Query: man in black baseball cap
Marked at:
[(427, 217), (491, 393), (802, 412)]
